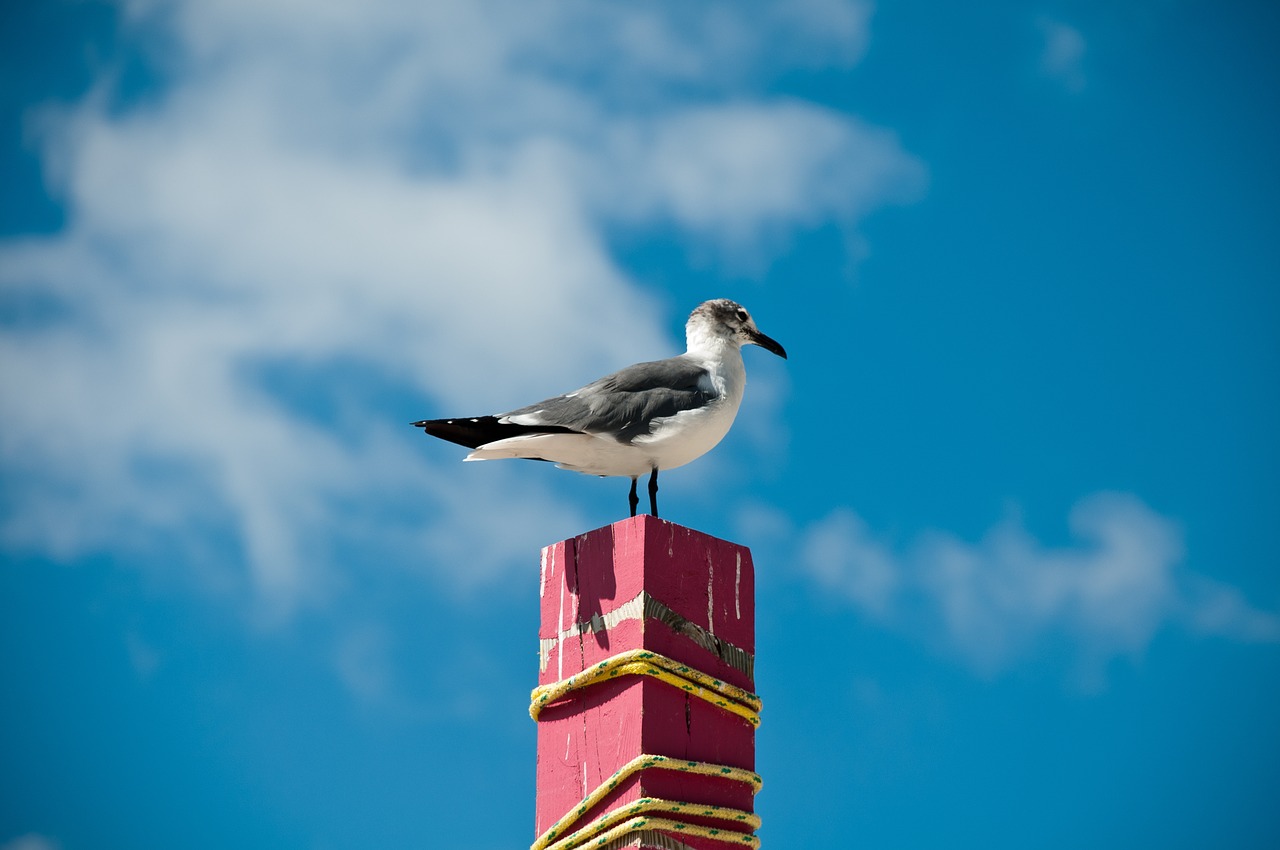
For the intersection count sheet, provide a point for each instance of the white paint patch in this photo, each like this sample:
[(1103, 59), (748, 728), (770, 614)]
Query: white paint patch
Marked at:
[(567, 738), (548, 557), (711, 596), (560, 638), (737, 585)]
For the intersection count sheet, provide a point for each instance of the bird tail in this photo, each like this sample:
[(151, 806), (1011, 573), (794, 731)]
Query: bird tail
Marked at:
[(476, 431)]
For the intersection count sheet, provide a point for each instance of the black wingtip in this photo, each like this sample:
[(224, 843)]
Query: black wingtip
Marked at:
[(475, 431), (471, 432)]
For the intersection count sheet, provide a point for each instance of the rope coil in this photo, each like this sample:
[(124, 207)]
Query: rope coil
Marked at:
[(640, 662), (631, 818)]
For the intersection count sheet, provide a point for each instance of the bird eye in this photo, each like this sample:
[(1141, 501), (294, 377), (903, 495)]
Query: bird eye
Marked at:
[(742, 315)]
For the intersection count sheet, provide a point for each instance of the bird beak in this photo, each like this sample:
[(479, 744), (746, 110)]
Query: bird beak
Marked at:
[(767, 343)]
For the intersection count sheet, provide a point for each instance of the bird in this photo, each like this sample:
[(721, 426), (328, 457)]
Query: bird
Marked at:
[(639, 420)]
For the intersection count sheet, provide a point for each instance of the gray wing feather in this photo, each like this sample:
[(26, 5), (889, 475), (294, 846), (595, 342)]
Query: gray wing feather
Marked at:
[(626, 402)]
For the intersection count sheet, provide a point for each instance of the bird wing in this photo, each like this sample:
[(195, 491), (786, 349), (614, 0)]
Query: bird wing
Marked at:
[(624, 404)]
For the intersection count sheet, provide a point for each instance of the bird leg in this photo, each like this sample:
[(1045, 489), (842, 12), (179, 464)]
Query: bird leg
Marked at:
[(653, 491), (633, 498)]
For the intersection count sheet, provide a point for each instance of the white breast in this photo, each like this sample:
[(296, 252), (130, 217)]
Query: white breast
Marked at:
[(676, 440)]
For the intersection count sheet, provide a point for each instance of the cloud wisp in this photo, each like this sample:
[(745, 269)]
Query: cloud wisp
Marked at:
[(1062, 56), (1005, 598), (319, 211), (30, 841)]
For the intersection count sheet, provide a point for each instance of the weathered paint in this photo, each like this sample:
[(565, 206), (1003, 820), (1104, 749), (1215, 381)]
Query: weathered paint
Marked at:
[(737, 585), (711, 595), (646, 607)]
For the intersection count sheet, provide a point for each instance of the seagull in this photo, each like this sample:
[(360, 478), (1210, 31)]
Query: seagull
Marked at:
[(644, 418)]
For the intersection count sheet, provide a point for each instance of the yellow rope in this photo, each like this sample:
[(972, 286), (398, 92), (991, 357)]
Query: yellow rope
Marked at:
[(639, 662), (603, 829), (640, 824)]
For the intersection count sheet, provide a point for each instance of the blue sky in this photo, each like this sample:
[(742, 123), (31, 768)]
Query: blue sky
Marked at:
[(1013, 499)]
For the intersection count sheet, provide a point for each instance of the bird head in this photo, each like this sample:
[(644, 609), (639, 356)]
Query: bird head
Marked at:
[(728, 321)]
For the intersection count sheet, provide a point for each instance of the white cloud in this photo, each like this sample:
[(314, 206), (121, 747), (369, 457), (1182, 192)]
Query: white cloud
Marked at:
[(841, 555), (1062, 57), (1212, 608), (735, 171), (1003, 598), (418, 192)]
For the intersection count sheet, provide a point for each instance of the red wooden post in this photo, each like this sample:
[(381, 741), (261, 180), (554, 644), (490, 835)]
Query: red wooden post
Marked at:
[(647, 584)]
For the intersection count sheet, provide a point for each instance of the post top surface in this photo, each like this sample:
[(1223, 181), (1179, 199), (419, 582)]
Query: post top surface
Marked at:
[(644, 525)]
